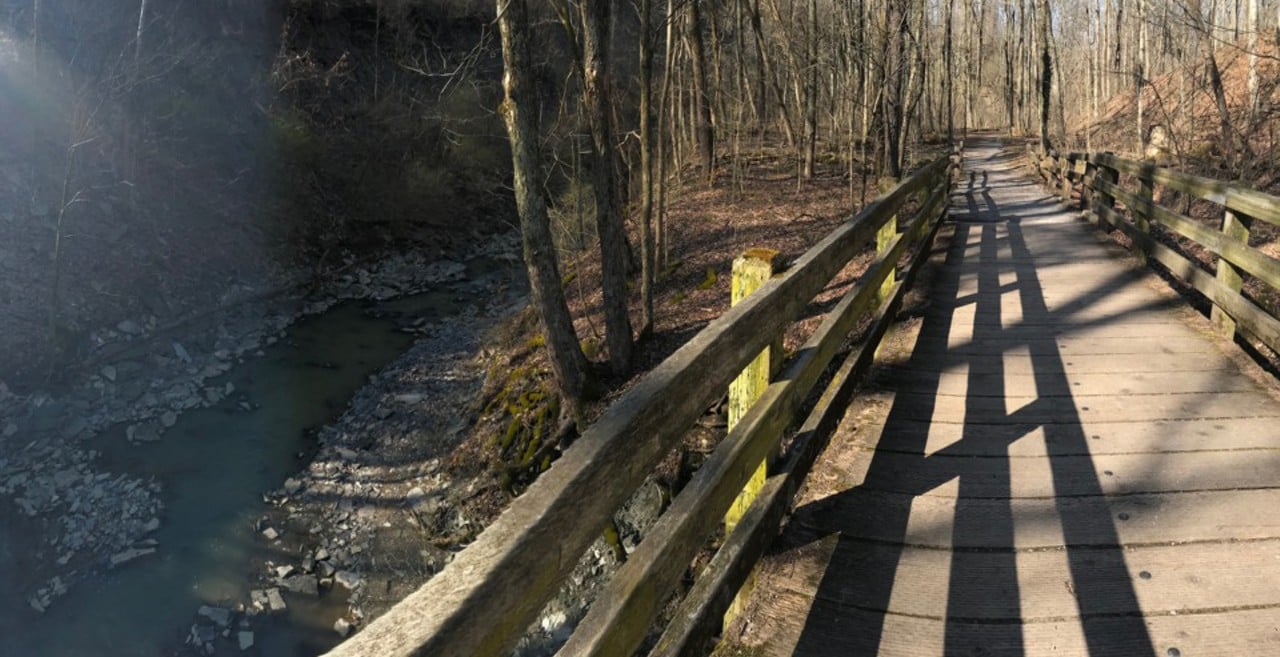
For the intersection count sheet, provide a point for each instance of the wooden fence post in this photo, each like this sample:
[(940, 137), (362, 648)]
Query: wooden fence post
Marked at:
[(1105, 199), (884, 237), (750, 271), (1234, 227), (1146, 198), (1068, 165), (1086, 185)]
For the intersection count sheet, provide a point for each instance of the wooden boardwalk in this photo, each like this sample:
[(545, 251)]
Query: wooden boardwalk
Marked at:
[(1061, 462)]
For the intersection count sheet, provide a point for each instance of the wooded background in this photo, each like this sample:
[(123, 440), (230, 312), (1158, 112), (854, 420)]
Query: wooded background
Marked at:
[(152, 147)]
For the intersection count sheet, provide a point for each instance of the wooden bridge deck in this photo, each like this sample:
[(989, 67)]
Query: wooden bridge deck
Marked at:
[(1060, 463)]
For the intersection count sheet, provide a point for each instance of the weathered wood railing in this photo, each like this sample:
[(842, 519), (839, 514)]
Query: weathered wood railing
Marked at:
[(494, 589), (1100, 189)]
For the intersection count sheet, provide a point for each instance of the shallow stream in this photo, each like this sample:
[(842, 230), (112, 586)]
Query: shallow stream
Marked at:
[(214, 464)]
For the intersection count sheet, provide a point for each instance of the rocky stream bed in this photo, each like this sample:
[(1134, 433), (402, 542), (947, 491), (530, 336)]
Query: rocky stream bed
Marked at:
[(333, 518)]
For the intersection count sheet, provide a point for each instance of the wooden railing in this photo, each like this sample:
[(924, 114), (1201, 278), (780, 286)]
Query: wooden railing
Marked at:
[(1233, 258), (486, 599)]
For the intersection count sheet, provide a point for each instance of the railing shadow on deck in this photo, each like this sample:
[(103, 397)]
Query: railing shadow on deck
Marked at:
[(983, 609)]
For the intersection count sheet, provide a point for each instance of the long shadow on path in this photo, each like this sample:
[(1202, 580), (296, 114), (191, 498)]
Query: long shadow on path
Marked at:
[(856, 598)]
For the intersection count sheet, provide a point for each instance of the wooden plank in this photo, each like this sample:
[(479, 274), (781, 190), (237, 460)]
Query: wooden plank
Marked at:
[(1019, 361), (1183, 579), (1081, 386), (1069, 344), (619, 619), (1019, 407), (1068, 476), (1081, 310), (851, 631), (919, 437), (1158, 315), (1155, 328), (1160, 519), (490, 593)]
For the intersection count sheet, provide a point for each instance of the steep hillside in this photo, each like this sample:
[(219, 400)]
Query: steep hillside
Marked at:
[(1181, 102)]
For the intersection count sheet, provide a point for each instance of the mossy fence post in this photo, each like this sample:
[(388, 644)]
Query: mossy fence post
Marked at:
[(884, 238), (751, 270)]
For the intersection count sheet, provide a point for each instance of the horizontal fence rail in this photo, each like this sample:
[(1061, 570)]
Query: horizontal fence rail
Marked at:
[(1233, 258), (487, 597)]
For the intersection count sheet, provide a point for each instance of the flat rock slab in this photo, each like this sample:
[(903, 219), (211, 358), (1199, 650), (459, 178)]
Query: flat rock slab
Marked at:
[(1054, 459)]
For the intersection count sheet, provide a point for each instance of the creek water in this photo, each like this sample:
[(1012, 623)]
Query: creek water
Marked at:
[(214, 465)]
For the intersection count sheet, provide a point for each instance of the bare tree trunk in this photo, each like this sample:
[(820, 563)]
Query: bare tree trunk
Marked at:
[(1057, 85), (1140, 72), (811, 95), (893, 99), (968, 68), (864, 9), (1046, 75), (520, 112), (982, 23), (715, 83), (914, 88), (1010, 76), (660, 182), (771, 73), (701, 93), (1252, 20), (949, 80), (646, 168), (1220, 102), (1093, 78), (609, 225), (1196, 16), (1117, 63)]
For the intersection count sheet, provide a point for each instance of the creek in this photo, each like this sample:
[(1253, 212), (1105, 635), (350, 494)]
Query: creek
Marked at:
[(214, 464)]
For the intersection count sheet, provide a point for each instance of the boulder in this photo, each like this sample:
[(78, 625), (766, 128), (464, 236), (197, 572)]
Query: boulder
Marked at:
[(302, 583), (221, 616), (275, 601), (348, 579)]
